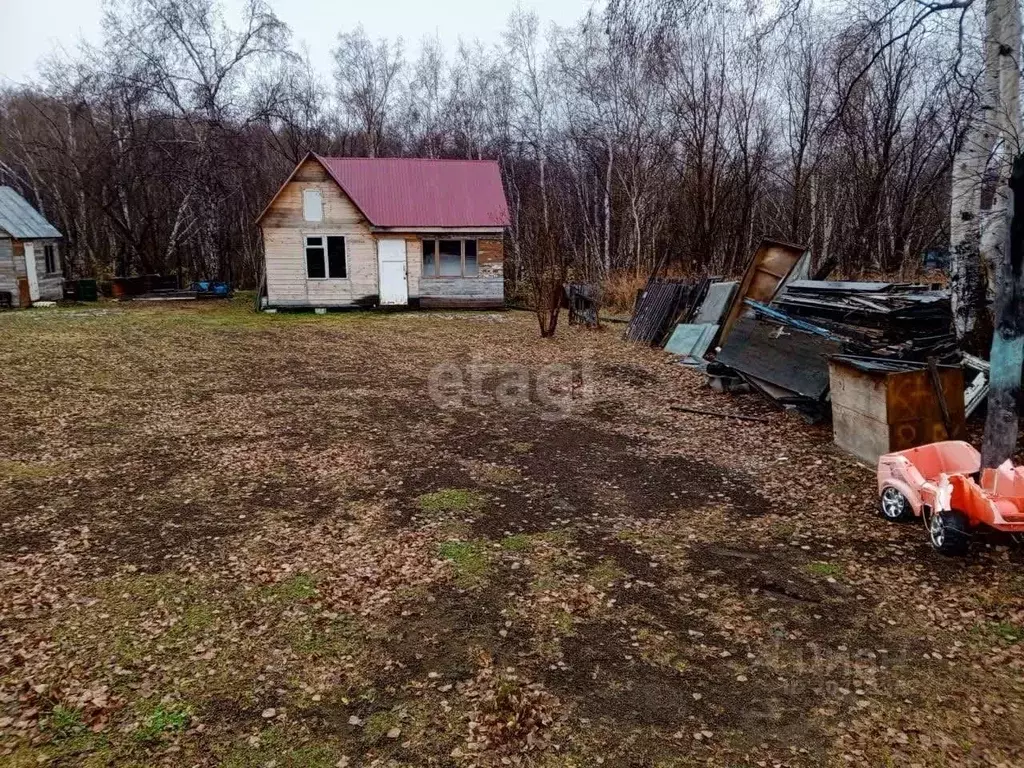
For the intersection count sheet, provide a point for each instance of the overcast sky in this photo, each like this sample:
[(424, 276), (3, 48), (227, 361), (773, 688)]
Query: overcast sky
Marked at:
[(33, 28)]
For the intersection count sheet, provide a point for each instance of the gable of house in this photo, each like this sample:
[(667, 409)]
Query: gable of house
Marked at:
[(285, 230)]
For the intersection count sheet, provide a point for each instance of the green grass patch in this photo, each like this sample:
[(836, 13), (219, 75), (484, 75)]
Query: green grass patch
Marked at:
[(1006, 631), (378, 724), (602, 575), (301, 586), (343, 637), (517, 542), (196, 618), (283, 750), (451, 500), (830, 570), (163, 719), (29, 470), (559, 537), (469, 558), (65, 722), (501, 475), (783, 529)]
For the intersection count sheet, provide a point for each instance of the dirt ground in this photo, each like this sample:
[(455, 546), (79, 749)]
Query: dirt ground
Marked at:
[(435, 539)]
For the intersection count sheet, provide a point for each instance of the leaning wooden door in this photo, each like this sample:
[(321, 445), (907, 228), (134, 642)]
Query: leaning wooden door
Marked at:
[(30, 269), (391, 271)]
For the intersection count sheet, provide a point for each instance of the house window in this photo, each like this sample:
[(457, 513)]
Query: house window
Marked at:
[(325, 257), (449, 258), (50, 257), (312, 205)]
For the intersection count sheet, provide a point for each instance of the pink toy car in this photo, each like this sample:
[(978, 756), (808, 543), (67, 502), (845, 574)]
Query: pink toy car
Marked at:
[(943, 483)]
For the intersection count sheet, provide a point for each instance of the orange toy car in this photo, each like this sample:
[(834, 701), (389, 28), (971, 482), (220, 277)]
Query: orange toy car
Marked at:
[(943, 483)]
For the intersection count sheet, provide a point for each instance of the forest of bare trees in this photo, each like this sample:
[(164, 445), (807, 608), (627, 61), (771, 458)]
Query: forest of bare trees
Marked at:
[(674, 132)]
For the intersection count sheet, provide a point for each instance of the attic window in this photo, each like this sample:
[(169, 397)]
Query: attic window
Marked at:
[(312, 205)]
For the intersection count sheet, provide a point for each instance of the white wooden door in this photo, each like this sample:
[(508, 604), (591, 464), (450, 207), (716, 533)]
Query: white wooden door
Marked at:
[(391, 268), (30, 267)]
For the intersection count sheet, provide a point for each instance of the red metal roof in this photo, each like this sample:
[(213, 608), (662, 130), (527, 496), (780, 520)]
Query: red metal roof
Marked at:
[(414, 192)]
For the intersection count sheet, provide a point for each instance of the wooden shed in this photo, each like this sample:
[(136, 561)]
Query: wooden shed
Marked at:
[(29, 259), (880, 406)]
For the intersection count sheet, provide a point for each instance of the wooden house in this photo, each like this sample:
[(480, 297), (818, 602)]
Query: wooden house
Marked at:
[(345, 232), (29, 259)]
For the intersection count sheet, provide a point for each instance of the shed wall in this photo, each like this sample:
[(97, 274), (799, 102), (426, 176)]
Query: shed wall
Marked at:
[(486, 290), (8, 278), (12, 269)]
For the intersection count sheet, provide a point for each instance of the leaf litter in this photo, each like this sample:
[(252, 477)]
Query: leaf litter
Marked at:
[(238, 539)]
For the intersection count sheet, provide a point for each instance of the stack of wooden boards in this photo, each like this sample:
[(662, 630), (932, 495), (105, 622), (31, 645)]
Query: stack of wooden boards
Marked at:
[(894, 320)]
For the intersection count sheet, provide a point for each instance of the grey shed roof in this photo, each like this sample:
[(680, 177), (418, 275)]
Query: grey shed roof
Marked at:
[(20, 220)]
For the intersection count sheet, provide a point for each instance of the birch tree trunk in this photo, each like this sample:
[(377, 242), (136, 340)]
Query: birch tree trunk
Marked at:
[(967, 275), (606, 252), (1007, 355), (1003, 243)]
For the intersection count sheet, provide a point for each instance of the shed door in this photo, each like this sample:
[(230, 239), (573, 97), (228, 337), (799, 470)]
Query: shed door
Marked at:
[(30, 268), (394, 287)]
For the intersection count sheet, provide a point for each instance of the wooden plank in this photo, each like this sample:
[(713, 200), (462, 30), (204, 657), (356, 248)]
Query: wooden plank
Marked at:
[(467, 287), (858, 391), (794, 360), (414, 257), (720, 414), (914, 432), (490, 251), (864, 437), (8, 275), (460, 302)]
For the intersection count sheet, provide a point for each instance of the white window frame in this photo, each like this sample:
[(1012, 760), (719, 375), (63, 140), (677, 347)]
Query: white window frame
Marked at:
[(437, 258), (327, 261), (320, 194)]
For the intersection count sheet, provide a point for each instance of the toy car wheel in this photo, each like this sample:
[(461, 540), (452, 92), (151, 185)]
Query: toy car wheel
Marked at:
[(893, 505), (948, 532)]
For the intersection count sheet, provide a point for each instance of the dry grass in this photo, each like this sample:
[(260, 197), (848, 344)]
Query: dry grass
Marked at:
[(243, 540)]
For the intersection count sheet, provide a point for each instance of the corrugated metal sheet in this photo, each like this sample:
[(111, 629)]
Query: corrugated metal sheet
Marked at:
[(20, 220), (657, 308), (415, 192)]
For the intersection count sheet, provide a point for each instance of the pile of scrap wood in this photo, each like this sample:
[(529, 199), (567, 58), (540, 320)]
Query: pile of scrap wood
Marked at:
[(786, 364), (782, 349), (897, 320), (772, 266), (775, 330), (694, 335)]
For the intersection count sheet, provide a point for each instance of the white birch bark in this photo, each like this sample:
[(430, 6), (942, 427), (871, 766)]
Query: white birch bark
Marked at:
[(967, 283), (1006, 125)]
